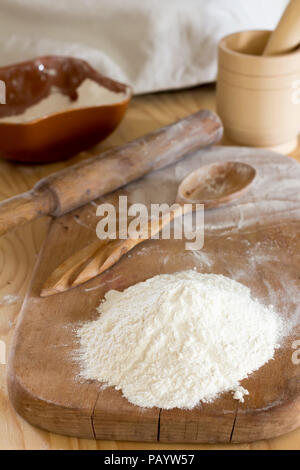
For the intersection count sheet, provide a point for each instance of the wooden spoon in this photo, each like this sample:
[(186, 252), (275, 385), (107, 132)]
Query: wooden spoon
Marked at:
[(212, 185)]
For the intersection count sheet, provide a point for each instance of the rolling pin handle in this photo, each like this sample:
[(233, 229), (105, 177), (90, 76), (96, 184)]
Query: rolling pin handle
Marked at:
[(24, 208)]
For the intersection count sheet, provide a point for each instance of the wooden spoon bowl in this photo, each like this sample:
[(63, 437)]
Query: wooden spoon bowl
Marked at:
[(216, 184)]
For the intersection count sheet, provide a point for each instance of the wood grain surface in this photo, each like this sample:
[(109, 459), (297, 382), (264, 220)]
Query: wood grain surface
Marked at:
[(19, 251)]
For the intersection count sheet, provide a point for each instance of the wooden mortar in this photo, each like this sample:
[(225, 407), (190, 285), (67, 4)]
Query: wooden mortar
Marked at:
[(257, 96)]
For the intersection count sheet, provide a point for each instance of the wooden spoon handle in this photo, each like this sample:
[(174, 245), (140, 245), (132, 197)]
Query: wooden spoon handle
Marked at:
[(104, 259), (100, 255)]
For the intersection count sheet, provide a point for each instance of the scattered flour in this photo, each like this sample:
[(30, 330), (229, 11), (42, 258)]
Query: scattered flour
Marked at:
[(9, 299), (239, 394), (177, 340), (90, 93)]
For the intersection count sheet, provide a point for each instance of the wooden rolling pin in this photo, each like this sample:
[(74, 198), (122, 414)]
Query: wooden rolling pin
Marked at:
[(286, 37), (73, 187)]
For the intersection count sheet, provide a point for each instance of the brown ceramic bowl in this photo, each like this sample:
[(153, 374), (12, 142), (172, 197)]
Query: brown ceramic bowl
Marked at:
[(56, 136)]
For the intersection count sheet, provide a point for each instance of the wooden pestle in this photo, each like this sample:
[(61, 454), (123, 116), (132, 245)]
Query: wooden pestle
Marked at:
[(73, 187), (286, 37)]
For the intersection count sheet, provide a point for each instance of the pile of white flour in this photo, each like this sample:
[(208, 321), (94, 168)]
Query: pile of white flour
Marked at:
[(90, 93), (180, 339)]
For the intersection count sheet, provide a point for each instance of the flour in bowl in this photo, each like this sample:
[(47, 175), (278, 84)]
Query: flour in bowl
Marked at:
[(177, 340), (90, 93)]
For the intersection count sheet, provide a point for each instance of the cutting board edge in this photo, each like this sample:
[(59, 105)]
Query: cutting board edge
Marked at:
[(35, 409), (248, 425), (255, 425)]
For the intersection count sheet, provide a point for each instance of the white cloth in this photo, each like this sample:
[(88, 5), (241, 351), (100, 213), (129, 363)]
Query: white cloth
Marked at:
[(151, 44)]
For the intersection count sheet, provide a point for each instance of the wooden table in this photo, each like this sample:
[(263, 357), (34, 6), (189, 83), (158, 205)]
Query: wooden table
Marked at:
[(19, 251)]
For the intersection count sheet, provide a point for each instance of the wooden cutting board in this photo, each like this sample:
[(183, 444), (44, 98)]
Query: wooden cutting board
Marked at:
[(256, 241)]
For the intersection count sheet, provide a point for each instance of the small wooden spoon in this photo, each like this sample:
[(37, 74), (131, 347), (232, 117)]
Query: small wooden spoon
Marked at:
[(212, 185)]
